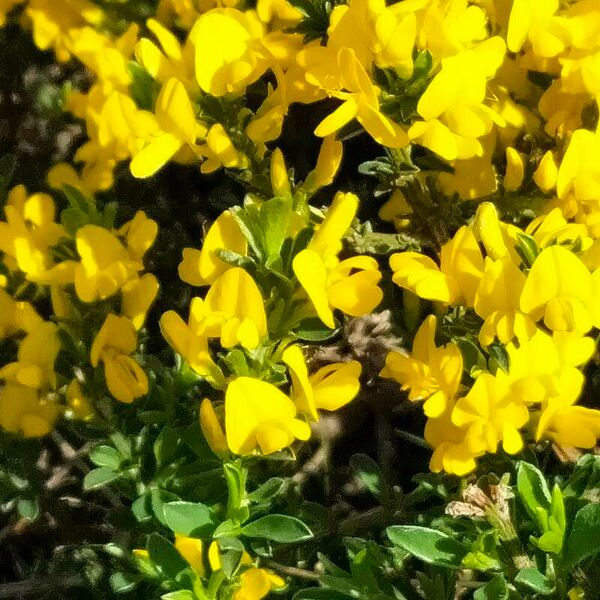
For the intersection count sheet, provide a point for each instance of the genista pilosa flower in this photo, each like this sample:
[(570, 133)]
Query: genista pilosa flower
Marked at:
[(349, 285), (113, 346), (259, 415), (430, 373)]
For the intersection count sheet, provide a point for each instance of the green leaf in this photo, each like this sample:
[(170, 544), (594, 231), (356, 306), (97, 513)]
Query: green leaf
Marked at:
[(527, 249), (191, 519), (98, 478), (164, 556), (73, 219), (28, 508), (534, 493), (121, 583), (157, 500), (313, 329), (473, 359), (231, 555), (275, 216), (179, 595), (499, 358), (494, 589), (536, 581), (368, 471), (106, 456), (165, 446), (278, 528), (584, 539), (267, 491), (429, 545)]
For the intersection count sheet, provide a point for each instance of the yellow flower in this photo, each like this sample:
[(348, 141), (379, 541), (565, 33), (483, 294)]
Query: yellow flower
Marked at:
[(328, 163), (139, 234), (534, 21), (350, 285), (256, 583), (169, 61), (137, 297), (191, 550), (515, 170), (26, 404), (177, 132), (452, 106), (219, 151), (191, 341), (454, 281), (107, 59), (450, 451), (54, 21), (546, 174), (280, 181), (538, 363), (499, 239), (112, 346), (553, 228), (79, 404), (561, 290), (330, 388), (16, 316), (566, 424), (497, 301), (360, 102), (105, 264), (229, 53), (29, 232), (24, 410), (203, 267), (578, 181), (490, 415), (212, 430), (430, 373), (257, 414), (236, 309), (37, 353)]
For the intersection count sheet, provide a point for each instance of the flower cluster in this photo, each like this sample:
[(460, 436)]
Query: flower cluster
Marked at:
[(92, 275), (534, 293), (484, 119)]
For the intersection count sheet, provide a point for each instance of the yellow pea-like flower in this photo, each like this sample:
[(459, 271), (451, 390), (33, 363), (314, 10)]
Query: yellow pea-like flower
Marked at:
[(259, 415), (212, 430), (24, 410), (561, 290), (113, 345), (203, 267), (489, 415), (105, 264), (229, 54), (235, 302), (330, 388), (454, 281), (177, 130), (190, 340), (137, 297), (430, 373), (497, 301), (191, 550)]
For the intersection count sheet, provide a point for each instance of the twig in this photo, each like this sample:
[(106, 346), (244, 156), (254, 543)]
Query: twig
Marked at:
[(292, 571)]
